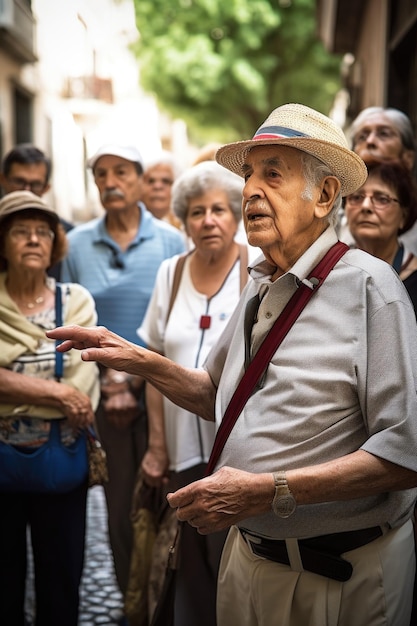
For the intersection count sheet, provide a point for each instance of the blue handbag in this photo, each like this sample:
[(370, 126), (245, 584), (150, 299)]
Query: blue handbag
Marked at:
[(52, 467)]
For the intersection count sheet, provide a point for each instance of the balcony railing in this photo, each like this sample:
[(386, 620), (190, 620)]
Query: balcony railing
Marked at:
[(89, 87)]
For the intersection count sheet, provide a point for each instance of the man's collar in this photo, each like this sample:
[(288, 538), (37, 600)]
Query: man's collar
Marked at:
[(146, 228)]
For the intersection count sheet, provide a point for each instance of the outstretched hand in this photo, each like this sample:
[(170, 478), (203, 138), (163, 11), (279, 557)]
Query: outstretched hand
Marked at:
[(96, 344), (187, 387)]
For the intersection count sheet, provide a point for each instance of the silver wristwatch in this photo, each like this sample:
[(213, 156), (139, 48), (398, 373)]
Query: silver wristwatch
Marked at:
[(283, 504)]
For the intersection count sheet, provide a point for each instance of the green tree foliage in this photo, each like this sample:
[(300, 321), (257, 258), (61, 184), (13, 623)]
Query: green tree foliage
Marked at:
[(223, 65)]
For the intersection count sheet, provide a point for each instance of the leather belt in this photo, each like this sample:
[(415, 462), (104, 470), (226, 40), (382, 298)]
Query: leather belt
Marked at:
[(320, 555)]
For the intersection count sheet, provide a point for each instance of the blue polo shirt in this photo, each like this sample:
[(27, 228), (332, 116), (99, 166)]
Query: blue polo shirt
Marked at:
[(121, 282)]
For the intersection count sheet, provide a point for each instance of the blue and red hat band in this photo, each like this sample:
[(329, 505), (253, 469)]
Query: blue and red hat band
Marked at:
[(277, 132)]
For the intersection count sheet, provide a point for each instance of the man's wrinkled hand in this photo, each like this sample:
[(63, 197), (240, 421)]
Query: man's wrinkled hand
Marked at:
[(218, 501)]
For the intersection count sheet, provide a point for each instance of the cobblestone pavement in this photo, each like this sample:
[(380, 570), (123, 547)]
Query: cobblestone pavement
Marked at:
[(101, 601)]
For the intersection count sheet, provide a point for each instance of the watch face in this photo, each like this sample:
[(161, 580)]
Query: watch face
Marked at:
[(284, 506)]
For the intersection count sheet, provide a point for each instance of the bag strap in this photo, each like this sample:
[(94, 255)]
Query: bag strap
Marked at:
[(270, 345), (59, 363), (59, 357), (176, 282), (243, 258)]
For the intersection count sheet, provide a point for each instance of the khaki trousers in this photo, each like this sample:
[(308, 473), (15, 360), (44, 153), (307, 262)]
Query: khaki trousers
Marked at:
[(256, 592)]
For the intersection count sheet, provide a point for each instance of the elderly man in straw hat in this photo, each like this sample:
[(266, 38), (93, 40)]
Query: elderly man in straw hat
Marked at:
[(316, 476)]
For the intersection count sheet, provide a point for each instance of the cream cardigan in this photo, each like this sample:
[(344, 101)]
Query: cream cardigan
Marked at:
[(18, 335)]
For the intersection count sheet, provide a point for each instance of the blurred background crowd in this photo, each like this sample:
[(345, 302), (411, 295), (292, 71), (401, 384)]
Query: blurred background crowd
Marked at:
[(180, 75)]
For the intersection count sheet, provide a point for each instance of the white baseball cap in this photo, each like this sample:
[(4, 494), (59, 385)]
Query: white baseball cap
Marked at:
[(130, 153)]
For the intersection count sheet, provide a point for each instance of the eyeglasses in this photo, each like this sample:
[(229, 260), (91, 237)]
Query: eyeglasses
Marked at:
[(383, 134), (20, 184), (23, 233), (379, 200)]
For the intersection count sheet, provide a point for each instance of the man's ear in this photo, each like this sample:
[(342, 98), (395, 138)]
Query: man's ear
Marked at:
[(329, 190)]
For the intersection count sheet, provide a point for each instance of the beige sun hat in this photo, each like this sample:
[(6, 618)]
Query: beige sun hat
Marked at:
[(16, 201), (300, 127)]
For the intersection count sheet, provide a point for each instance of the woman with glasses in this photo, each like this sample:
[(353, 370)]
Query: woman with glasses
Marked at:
[(32, 398), (379, 212)]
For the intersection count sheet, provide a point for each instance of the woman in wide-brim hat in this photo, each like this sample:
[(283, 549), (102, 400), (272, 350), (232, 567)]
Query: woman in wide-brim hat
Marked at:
[(31, 240)]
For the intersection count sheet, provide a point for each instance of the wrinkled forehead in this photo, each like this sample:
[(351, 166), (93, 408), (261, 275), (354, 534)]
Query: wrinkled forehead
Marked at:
[(375, 121), (159, 170)]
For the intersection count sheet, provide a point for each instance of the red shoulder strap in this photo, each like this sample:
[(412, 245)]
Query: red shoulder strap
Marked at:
[(270, 345)]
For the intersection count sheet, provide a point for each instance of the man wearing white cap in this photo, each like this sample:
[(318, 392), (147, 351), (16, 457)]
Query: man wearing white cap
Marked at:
[(316, 477), (116, 258)]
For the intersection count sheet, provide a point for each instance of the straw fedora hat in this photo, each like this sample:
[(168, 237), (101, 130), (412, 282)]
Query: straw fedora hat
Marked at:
[(16, 201), (300, 127)]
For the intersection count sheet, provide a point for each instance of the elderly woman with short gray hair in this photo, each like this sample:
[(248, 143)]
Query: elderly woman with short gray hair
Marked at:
[(198, 180), (208, 200)]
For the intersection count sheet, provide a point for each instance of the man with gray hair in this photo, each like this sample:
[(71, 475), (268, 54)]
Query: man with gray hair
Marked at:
[(116, 257), (158, 177), (314, 467)]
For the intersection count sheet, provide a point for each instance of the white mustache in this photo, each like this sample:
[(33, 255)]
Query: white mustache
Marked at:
[(257, 204), (109, 194)]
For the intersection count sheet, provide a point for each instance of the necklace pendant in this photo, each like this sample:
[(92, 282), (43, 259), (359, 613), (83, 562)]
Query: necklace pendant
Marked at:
[(205, 322)]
